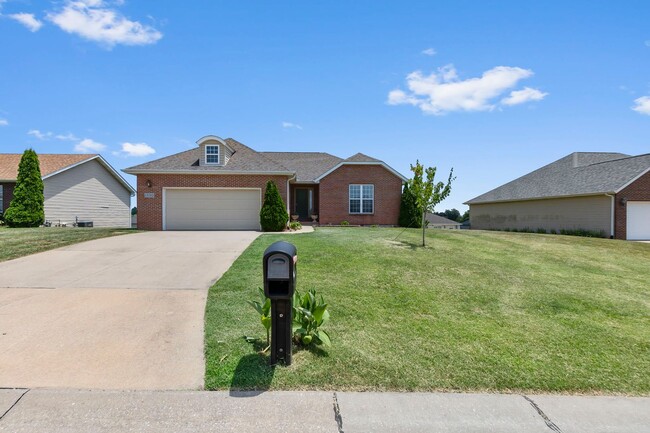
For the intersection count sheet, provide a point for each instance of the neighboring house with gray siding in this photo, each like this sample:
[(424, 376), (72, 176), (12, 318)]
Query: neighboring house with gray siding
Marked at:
[(439, 222), (75, 186), (603, 192)]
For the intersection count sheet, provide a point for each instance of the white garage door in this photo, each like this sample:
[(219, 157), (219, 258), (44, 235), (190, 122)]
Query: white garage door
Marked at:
[(638, 220), (212, 209)]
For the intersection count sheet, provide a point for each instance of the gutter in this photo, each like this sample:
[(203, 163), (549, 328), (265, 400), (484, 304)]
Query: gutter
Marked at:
[(613, 209)]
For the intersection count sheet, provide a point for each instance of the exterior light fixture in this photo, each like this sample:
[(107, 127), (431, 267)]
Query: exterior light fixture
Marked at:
[(149, 183)]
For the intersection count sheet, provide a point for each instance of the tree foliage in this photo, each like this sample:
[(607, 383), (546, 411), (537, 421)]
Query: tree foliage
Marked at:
[(26, 208), (451, 214), (409, 214), (427, 193), (273, 215)]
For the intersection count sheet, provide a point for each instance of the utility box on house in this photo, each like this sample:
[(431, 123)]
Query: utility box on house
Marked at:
[(279, 265)]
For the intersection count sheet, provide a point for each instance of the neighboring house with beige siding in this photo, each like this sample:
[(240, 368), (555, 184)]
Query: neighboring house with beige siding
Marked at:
[(600, 192), (83, 187)]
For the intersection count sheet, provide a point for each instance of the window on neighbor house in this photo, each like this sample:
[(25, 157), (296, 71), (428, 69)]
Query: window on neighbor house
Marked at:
[(362, 199), (212, 154), (2, 209)]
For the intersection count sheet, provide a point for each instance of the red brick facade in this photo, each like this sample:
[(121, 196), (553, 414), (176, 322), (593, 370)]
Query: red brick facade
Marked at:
[(150, 209), (331, 198), (334, 198), (639, 190), (7, 194)]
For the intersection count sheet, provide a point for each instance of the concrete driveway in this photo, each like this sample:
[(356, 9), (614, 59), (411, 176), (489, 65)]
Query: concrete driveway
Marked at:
[(117, 313)]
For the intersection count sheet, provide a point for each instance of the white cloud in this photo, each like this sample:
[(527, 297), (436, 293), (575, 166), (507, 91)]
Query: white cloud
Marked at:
[(429, 52), (87, 146), (28, 20), (443, 91), (135, 149), (289, 125), (66, 137), (40, 135), (642, 105), (93, 20), (525, 95), (4, 122)]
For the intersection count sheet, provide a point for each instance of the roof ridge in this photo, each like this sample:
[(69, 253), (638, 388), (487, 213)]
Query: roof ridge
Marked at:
[(259, 153), (618, 159)]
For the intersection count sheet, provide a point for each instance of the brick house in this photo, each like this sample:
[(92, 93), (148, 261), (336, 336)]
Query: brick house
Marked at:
[(602, 192), (219, 185)]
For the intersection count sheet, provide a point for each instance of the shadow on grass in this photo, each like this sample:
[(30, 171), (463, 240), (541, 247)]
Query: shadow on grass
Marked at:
[(253, 376)]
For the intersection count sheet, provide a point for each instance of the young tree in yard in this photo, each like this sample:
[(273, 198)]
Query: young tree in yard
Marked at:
[(409, 214), (26, 208), (427, 193), (273, 215)]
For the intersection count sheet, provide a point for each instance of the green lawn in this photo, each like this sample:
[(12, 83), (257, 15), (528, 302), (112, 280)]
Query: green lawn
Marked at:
[(473, 310), (16, 242)]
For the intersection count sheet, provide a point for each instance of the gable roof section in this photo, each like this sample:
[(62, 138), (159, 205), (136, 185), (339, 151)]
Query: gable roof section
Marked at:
[(580, 173), (53, 164), (307, 165), (243, 160), (361, 159)]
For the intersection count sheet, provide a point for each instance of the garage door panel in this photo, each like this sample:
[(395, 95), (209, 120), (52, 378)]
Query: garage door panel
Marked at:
[(212, 209), (638, 220)]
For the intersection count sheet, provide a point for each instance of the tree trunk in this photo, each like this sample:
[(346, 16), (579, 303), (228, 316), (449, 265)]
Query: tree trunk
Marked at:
[(424, 227)]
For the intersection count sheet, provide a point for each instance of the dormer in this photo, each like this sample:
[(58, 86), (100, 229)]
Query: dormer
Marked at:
[(214, 151)]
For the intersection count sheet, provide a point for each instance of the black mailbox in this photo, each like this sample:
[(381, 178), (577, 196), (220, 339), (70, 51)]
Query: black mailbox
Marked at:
[(280, 270), (279, 264)]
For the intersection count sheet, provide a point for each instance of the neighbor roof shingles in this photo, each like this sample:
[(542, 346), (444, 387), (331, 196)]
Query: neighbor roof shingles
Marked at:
[(49, 163), (580, 173)]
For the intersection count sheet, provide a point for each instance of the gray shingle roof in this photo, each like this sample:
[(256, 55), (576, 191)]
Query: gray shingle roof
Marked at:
[(437, 219), (360, 157), (244, 159), (580, 173), (307, 165)]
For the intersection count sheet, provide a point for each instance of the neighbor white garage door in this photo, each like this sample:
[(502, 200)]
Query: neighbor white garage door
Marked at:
[(212, 209), (638, 220)]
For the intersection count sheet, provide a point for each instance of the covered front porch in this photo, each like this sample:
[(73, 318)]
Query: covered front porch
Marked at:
[(303, 201)]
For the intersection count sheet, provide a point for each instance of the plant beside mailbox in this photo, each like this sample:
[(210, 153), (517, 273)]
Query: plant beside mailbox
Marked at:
[(309, 315)]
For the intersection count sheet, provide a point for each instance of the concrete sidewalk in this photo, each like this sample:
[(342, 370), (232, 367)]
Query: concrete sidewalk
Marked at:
[(58, 411)]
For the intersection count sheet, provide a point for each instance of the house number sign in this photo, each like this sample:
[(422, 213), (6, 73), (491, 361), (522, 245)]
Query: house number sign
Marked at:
[(149, 195)]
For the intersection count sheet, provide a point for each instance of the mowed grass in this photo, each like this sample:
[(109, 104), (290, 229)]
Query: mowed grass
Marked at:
[(489, 311), (18, 242)]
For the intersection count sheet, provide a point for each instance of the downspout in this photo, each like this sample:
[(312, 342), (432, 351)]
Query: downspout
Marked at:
[(289, 197), (611, 224)]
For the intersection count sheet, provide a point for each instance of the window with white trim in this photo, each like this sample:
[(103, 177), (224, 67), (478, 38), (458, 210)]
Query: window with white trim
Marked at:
[(212, 154), (2, 198), (362, 199)]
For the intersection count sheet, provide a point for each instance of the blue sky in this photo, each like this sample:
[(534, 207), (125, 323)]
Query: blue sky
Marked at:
[(492, 89)]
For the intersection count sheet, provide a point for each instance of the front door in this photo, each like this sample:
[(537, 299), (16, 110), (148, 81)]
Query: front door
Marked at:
[(303, 199)]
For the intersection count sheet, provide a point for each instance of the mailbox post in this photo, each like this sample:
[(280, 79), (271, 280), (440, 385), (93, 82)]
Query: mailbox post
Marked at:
[(279, 284)]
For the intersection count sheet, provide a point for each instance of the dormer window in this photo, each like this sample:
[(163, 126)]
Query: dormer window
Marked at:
[(212, 154)]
